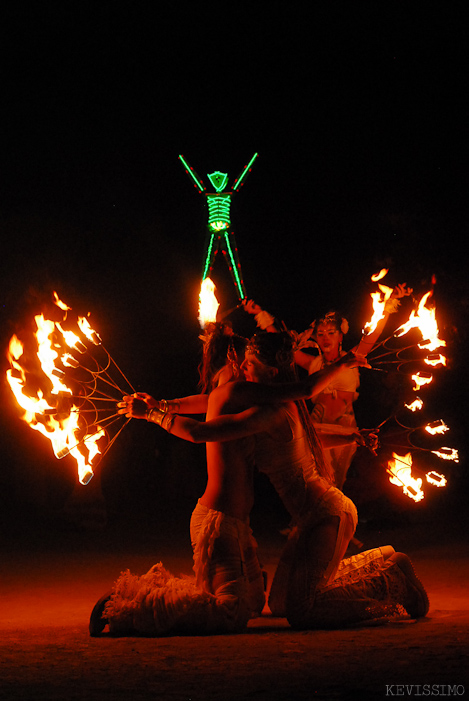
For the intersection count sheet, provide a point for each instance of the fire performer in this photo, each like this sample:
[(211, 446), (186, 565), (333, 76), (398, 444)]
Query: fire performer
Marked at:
[(333, 407), (229, 586), (284, 446)]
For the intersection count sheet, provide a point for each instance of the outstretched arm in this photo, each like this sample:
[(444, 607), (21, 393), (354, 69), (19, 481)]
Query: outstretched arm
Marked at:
[(192, 404), (223, 428), (254, 393)]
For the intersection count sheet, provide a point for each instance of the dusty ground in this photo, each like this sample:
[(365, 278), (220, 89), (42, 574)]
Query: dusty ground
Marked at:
[(50, 584)]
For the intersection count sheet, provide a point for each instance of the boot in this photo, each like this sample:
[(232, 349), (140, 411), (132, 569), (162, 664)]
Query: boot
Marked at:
[(97, 622), (415, 601)]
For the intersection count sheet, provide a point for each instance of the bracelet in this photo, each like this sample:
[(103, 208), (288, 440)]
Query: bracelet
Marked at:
[(162, 418), (264, 319), (169, 405), (155, 415)]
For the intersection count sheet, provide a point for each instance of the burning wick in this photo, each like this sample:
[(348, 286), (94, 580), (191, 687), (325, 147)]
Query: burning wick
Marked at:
[(436, 479), (416, 405), (399, 469), (435, 427)]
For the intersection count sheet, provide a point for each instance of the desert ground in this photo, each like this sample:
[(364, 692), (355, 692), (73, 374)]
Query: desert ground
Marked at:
[(52, 576)]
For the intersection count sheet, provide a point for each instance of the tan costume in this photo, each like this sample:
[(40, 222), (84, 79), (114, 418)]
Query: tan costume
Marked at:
[(330, 592), (338, 458), (157, 603)]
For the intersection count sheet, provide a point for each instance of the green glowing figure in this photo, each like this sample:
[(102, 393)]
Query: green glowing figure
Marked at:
[(221, 236)]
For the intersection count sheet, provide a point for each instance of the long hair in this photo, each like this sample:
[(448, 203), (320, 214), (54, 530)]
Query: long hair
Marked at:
[(277, 350), (220, 346)]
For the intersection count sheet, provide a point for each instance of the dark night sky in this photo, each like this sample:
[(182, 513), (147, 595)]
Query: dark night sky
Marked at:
[(358, 112)]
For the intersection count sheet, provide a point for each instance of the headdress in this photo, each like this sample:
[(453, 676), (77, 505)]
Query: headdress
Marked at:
[(274, 349), (332, 317)]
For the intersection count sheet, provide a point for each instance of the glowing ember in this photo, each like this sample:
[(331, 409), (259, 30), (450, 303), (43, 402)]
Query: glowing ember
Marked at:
[(416, 405), (379, 300), (400, 471), (436, 427), (208, 303), (436, 479), (447, 454), (46, 409)]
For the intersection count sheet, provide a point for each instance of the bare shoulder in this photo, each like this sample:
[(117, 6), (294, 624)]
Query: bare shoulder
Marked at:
[(234, 397), (226, 399)]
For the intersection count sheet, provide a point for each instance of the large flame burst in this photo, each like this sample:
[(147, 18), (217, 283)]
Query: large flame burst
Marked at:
[(65, 387)]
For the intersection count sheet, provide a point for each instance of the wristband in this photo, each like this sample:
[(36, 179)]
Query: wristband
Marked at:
[(166, 405), (162, 418)]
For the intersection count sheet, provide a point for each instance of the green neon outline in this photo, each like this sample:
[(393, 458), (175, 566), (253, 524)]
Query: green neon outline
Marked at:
[(218, 211), (207, 258), (200, 185), (244, 173), (212, 178), (234, 268)]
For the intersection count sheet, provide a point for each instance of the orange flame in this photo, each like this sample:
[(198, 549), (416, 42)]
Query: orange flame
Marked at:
[(448, 454), (87, 331), (420, 380), (423, 319), (434, 361), (416, 405), (378, 276), (400, 471), (60, 304), (379, 301), (208, 303), (41, 414), (436, 479), (435, 427)]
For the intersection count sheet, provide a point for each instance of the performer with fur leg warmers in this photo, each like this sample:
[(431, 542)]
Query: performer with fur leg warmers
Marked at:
[(228, 588)]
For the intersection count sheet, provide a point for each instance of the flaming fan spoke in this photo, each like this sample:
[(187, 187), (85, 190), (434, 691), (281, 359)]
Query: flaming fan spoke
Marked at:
[(69, 388), (415, 357)]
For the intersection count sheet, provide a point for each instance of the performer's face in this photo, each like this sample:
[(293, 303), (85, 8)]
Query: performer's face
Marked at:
[(328, 338), (255, 371)]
